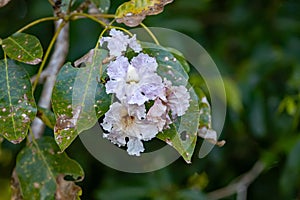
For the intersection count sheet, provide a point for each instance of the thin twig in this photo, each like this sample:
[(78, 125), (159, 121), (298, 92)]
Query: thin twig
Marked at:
[(57, 60), (240, 185), (150, 33)]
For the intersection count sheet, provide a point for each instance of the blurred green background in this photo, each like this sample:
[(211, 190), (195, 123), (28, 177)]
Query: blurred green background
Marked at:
[(256, 46)]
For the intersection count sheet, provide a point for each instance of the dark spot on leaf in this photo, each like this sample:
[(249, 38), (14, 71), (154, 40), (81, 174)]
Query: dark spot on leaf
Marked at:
[(183, 135)]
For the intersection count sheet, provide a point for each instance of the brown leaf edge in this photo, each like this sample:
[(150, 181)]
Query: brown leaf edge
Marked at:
[(134, 19)]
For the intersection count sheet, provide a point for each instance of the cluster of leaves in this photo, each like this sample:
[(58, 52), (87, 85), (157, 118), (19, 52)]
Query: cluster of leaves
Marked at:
[(78, 101)]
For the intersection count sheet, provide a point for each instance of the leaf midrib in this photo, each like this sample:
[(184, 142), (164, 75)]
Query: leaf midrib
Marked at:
[(9, 98), (21, 47)]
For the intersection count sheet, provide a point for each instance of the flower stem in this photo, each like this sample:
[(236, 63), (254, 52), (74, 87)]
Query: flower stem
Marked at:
[(47, 54), (150, 33), (103, 15), (37, 22), (75, 16)]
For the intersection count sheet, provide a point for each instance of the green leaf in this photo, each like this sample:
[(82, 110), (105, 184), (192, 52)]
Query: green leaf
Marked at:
[(169, 66), (24, 48), (205, 110), (85, 89), (183, 132), (41, 168), (62, 106), (102, 5), (205, 130), (17, 104), (47, 116), (133, 12), (78, 100), (180, 57)]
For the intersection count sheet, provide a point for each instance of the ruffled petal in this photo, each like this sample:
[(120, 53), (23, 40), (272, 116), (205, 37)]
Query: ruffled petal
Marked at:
[(178, 100), (144, 63), (117, 69), (134, 45), (135, 146), (128, 121), (118, 43), (158, 114)]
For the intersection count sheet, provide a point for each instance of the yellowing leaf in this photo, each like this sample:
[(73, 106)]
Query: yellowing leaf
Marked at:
[(133, 12)]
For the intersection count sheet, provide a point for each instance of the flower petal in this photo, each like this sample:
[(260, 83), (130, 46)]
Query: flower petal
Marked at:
[(144, 63), (117, 69), (126, 121), (135, 146), (178, 100), (158, 114), (134, 45)]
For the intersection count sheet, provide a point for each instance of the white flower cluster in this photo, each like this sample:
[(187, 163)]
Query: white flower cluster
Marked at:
[(135, 83)]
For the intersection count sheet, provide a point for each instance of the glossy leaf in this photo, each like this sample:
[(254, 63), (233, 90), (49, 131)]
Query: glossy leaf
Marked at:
[(71, 109), (85, 88), (182, 134), (180, 57), (40, 169), (24, 48), (17, 104), (133, 12), (62, 106), (102, 5), (168, 65)]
